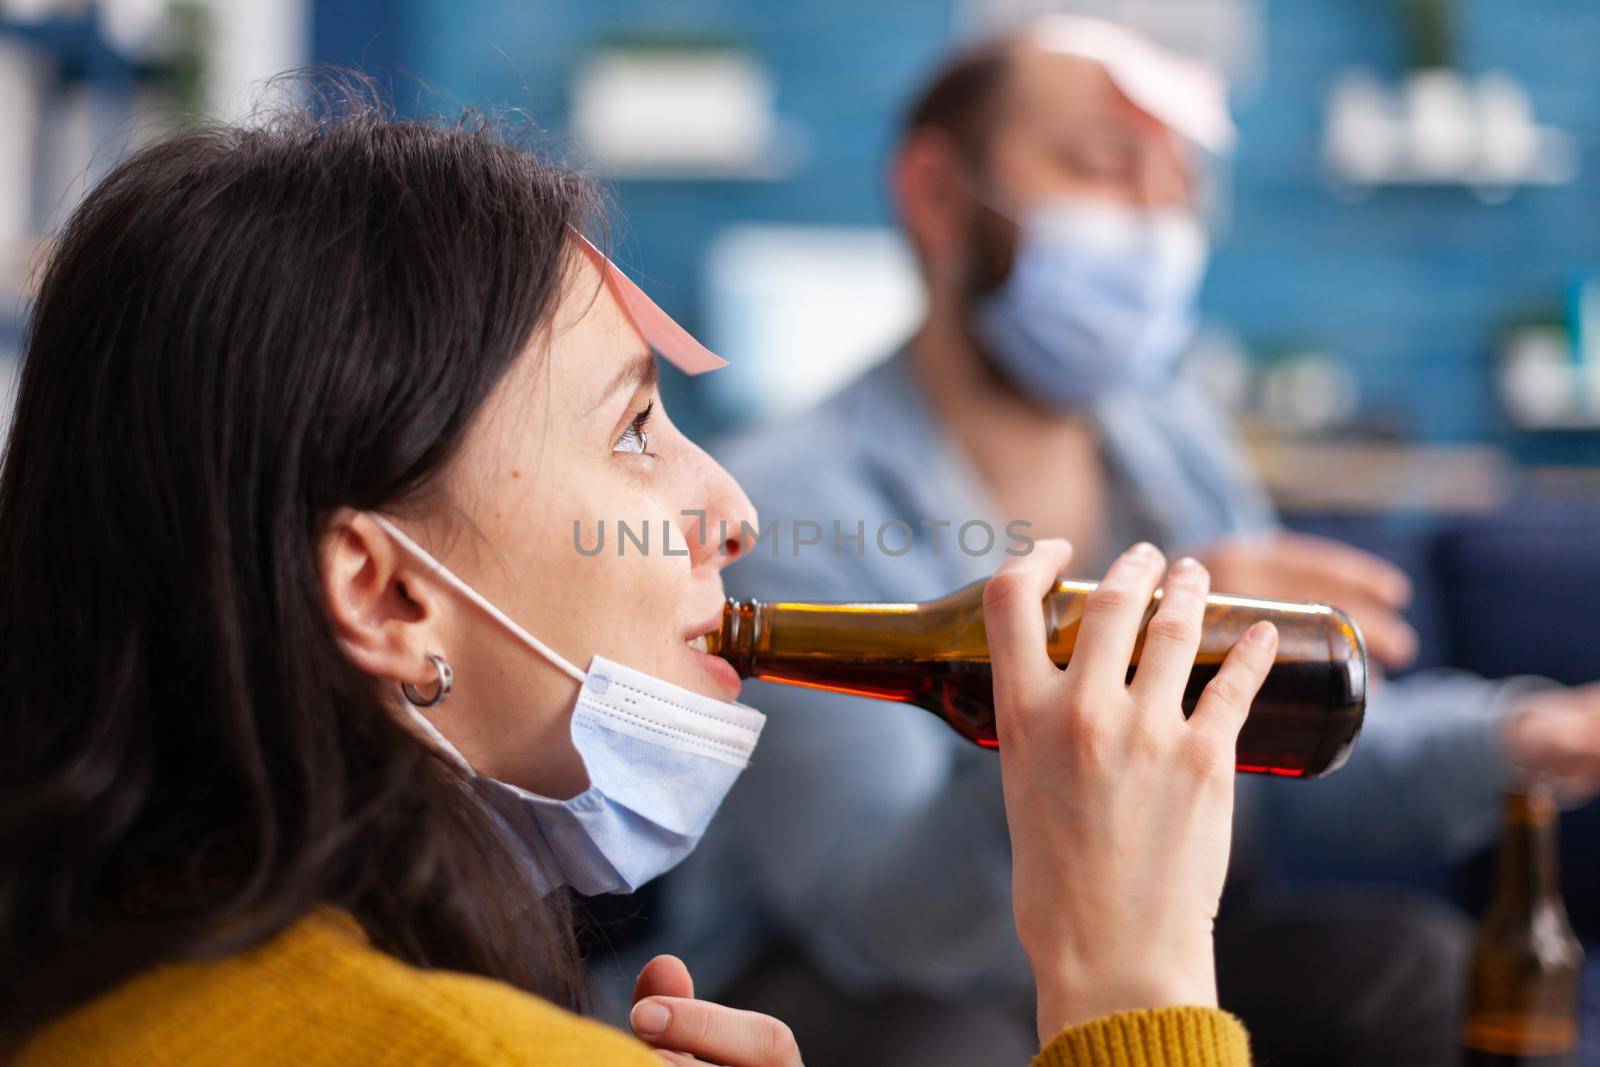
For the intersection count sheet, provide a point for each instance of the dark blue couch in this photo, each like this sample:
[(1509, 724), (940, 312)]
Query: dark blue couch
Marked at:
[(1512, 593)]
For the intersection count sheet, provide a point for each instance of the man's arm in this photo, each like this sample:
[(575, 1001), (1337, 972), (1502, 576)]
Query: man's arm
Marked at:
[(1423, 783)]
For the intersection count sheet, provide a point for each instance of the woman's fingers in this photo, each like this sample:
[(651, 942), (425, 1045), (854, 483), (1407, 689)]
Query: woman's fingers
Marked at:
[(664, 976), (1226, 700), (1013, 618), (1173, 637), (713, 1032), (1111, 619)]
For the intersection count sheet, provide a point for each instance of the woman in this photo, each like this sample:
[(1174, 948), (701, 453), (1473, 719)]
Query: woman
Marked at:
[(297, 743)]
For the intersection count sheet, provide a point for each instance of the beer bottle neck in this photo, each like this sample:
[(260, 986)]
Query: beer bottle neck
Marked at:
[(756, 635), (1527, 878), (736, 640)]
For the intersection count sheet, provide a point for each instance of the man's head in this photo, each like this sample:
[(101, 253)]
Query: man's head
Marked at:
[(1068, 113)]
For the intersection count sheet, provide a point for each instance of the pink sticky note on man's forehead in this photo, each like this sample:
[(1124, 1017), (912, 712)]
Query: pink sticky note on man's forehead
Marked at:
[(669, 340), (1183, 94)]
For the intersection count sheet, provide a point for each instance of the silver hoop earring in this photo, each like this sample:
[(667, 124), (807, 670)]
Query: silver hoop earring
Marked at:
[(447, 678)]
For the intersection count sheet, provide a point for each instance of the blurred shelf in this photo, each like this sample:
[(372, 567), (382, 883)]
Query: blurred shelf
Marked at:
[(1333, 476), (80, 50), (1439, 128), (1563, 425), (1558, 167), (783, 157)]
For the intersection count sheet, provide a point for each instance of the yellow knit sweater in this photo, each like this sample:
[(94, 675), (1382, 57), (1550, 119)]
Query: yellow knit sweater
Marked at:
[(319, 995)]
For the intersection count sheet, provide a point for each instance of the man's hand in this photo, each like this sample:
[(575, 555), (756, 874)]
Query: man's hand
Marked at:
[(684, 1030), (1556, 734), (1289, 566)]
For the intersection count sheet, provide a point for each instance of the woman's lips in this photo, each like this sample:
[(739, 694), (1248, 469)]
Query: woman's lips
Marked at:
[(724, 679), (723, 676)]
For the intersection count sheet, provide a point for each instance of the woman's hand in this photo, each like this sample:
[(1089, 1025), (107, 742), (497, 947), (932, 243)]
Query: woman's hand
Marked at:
[(684, 1030), (1120, 809)]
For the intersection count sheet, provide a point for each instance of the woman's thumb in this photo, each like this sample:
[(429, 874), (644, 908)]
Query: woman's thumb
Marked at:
[(664, 976)]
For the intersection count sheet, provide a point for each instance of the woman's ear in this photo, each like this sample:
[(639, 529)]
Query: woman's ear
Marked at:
[(385, 611)]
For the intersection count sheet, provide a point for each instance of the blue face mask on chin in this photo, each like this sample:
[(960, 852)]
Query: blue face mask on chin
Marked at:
[(659, 758), (1100, 297)]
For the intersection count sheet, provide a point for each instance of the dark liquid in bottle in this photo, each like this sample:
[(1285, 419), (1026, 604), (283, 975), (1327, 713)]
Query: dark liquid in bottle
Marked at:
[(1297, 739)]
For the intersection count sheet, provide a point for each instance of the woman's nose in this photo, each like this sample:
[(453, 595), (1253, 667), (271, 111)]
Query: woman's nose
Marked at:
[(730, 523)]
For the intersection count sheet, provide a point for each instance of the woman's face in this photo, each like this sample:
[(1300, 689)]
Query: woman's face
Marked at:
[(574, 441)]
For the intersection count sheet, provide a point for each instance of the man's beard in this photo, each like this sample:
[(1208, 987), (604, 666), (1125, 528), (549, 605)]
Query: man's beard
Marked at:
[(990, 247)]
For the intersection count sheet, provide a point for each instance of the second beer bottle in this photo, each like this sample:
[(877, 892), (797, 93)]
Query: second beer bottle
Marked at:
[(1522, 987), (936, 655)]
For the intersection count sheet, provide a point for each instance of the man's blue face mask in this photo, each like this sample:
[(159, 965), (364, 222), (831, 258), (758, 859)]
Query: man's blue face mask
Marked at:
[(1100, 297)]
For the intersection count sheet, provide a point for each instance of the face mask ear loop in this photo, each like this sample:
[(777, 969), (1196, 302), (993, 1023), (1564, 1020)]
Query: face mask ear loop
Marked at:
[(974, 186), (422, 556)]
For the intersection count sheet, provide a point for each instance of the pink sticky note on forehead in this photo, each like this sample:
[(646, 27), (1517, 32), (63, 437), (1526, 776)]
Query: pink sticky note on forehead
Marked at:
[(669, 340), (1183, 94)]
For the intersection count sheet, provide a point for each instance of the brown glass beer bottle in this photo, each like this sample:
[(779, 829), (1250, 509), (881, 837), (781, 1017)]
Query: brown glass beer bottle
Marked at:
[(1522, 988), (935, 655)]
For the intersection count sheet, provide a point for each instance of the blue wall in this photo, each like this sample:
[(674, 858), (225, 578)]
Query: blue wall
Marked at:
[(841, 69), (1409, 286)]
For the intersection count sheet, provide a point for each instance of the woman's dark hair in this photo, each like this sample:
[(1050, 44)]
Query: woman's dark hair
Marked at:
[(241, 330)]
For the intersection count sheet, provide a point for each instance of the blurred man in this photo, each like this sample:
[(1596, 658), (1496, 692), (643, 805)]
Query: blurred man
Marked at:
[(1048, 184)]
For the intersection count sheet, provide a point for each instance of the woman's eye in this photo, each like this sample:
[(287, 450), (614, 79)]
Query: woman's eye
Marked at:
[(636, 438)]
